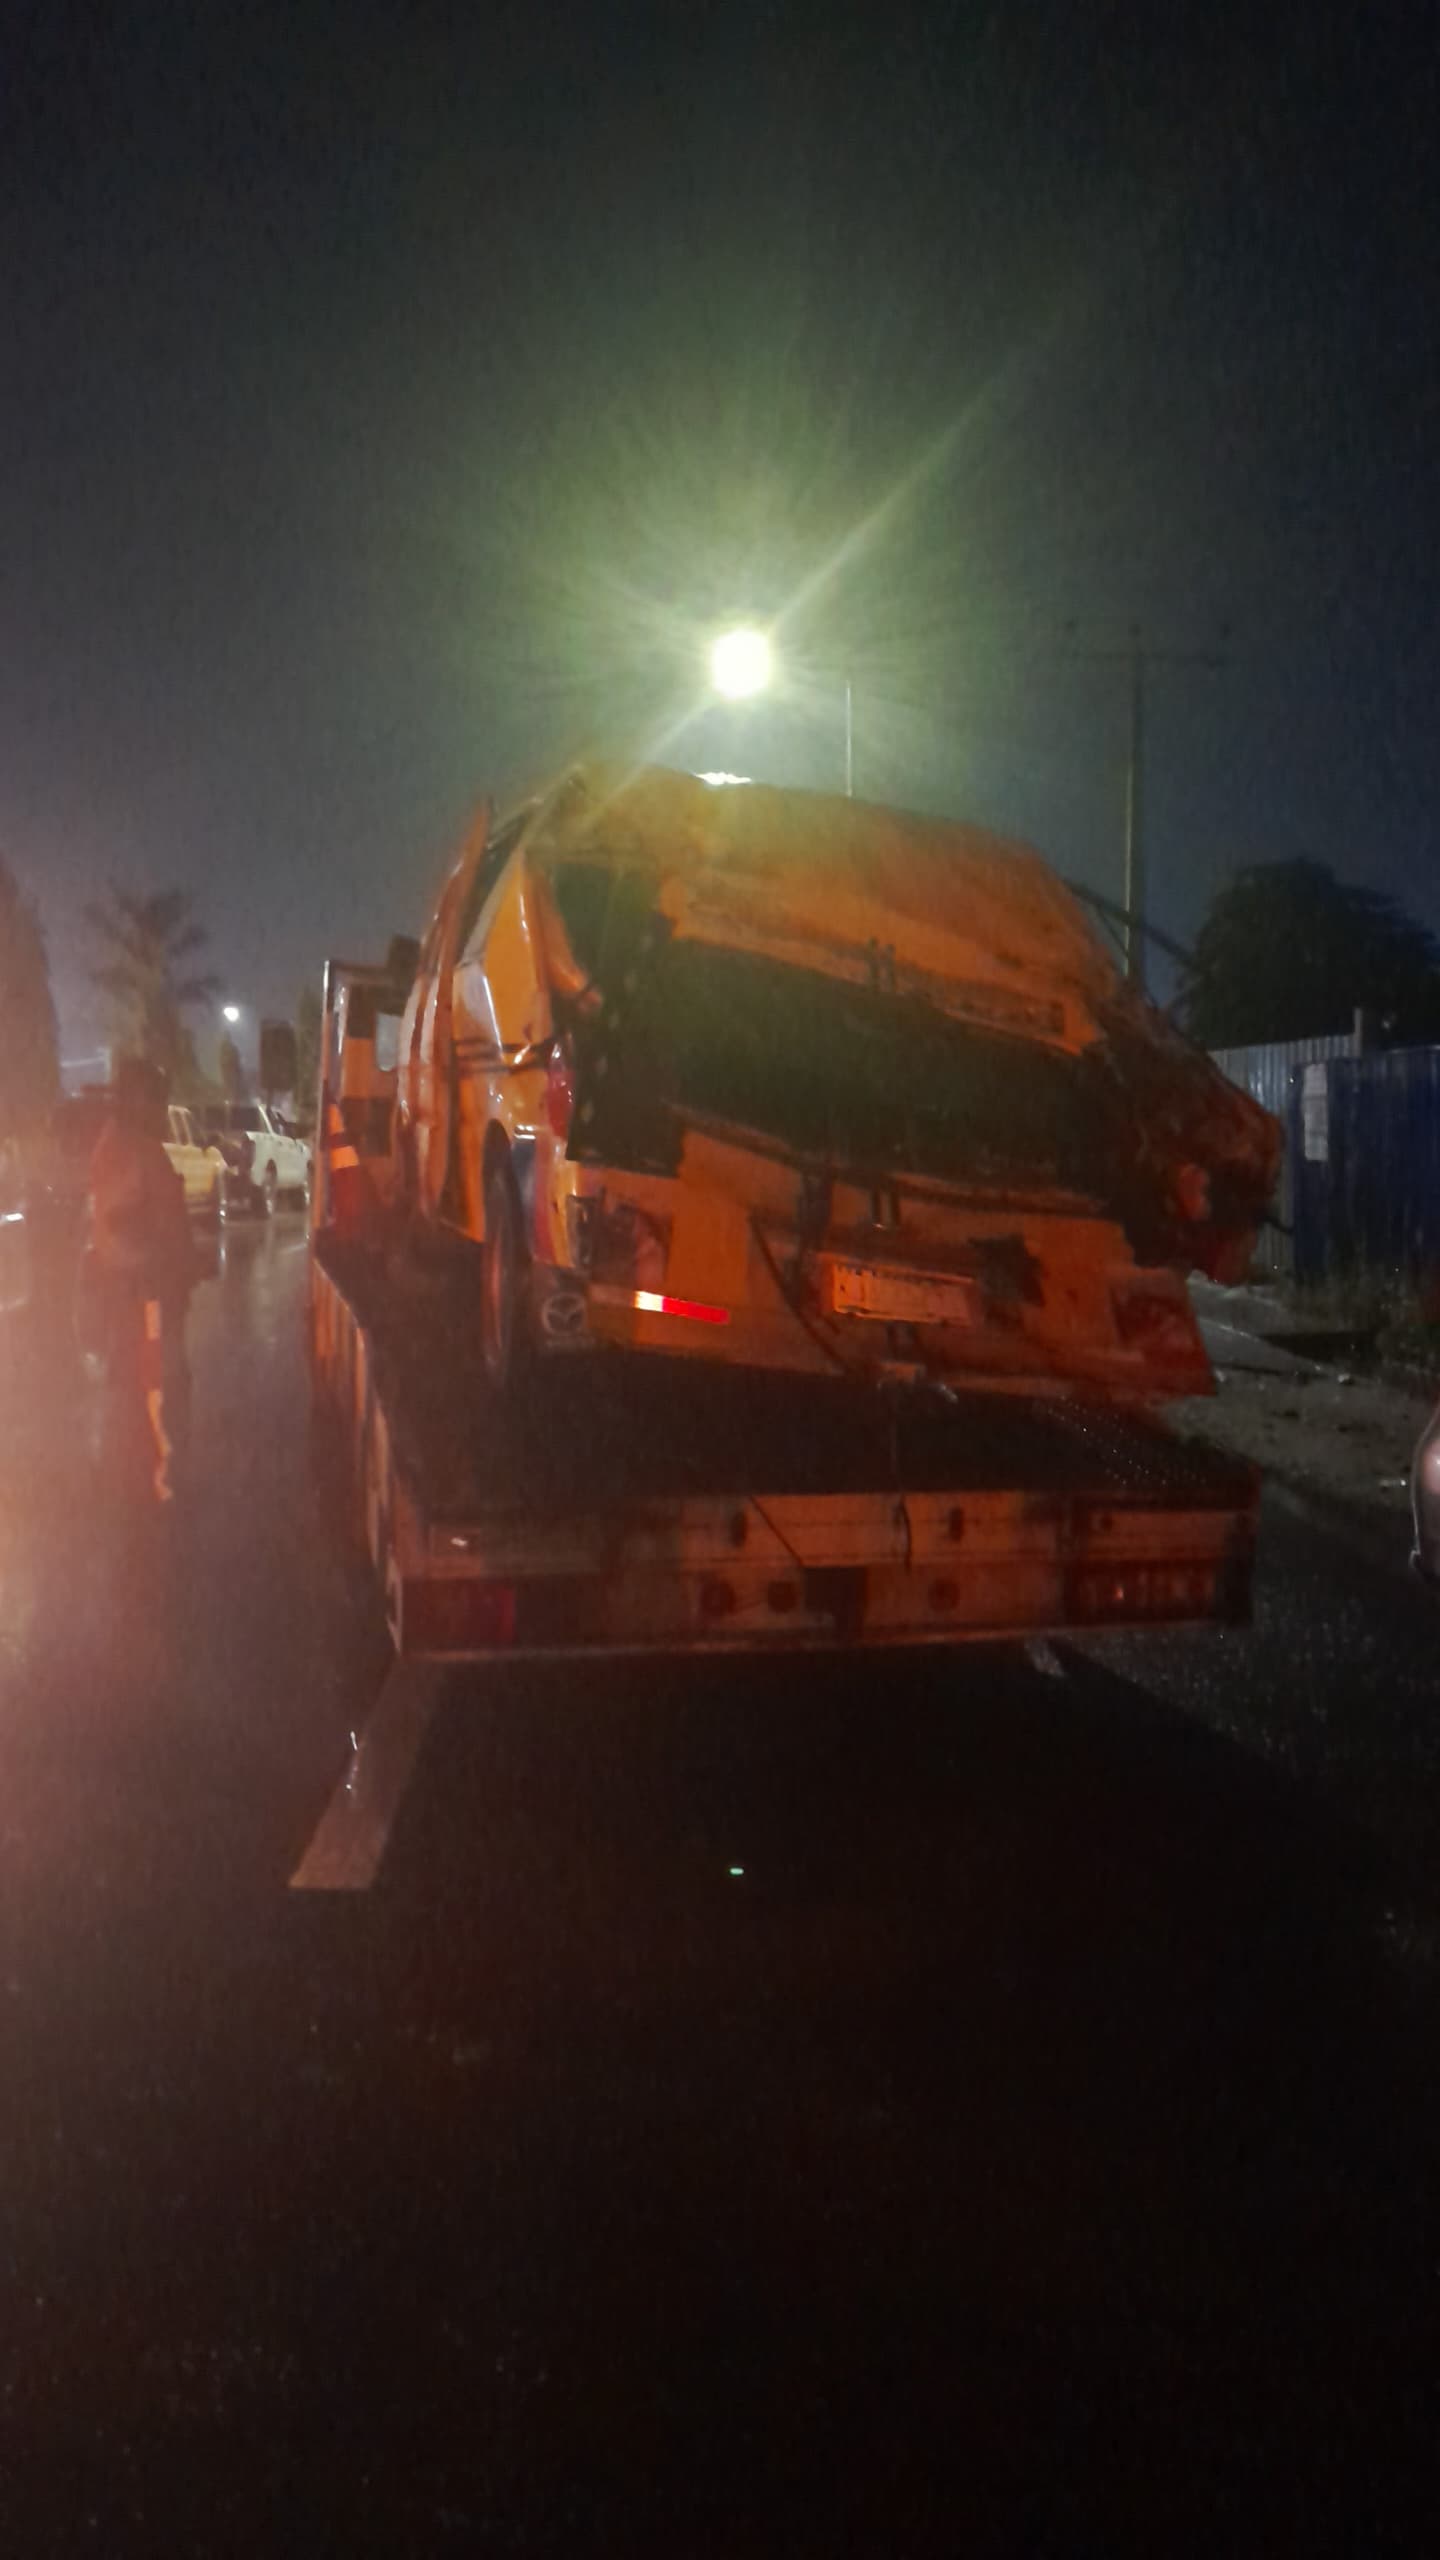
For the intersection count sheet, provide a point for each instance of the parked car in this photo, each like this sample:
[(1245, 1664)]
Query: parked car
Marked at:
[(198, 1161), (767, 1078), (265, 1156)]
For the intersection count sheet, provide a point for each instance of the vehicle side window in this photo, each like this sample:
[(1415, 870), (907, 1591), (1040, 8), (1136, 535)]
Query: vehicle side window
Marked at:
[(487, 871)]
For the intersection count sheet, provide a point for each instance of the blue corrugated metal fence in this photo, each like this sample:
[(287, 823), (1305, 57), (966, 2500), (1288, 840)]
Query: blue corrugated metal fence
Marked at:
[(1267, 1071), (1364, 1147)]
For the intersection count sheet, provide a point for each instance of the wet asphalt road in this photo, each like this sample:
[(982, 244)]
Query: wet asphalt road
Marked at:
[(1032, 2148)]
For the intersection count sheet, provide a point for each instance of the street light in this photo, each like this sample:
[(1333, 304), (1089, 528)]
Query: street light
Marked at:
[(231, 1012), (740, 663)]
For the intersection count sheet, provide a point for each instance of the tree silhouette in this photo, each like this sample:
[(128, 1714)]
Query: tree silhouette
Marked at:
[(29, 1048), (149, 940), (1288, 952)]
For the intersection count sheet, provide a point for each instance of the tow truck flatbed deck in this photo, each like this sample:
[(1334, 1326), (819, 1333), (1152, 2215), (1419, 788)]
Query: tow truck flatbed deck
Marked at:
[(649, 1504)]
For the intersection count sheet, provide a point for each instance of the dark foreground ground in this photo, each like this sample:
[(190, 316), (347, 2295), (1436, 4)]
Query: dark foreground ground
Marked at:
[(1031, 2147)]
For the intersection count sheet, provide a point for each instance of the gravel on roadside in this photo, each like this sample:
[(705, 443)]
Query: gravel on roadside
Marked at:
[(1348, 1438)]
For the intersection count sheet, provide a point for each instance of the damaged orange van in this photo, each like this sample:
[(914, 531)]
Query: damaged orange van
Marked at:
[(771, 1078)]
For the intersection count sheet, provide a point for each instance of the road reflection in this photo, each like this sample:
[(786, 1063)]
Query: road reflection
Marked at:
[(231, 1625)]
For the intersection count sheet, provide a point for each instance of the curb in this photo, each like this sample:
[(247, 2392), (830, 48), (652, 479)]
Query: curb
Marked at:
[(1386, 1546)]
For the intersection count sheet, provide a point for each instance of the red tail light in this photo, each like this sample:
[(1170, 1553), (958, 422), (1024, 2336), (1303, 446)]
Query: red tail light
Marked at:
[(651, 1303)]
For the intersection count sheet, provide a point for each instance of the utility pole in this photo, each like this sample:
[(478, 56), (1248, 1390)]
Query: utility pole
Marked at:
[(1134, 817), (1139, 657)]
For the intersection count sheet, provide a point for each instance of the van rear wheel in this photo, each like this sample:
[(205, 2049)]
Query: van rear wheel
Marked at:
[(506, 1338)]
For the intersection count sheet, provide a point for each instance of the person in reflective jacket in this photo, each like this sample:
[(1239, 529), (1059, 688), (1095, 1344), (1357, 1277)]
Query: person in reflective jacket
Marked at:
[(144, 1268)]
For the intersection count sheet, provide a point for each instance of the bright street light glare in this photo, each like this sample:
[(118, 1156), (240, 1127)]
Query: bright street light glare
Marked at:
[(231, 1012), (740, 663)]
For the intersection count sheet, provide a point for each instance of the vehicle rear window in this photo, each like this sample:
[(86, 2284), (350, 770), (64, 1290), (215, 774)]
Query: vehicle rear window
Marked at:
[(863, 1078)]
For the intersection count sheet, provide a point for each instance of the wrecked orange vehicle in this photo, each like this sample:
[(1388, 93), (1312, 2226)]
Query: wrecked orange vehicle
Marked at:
[(766, 1077)]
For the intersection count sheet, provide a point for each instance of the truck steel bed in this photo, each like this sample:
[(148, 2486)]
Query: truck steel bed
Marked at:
[(648, 1504)]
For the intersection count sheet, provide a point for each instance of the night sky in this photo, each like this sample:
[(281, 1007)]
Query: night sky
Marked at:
[(391, 401)]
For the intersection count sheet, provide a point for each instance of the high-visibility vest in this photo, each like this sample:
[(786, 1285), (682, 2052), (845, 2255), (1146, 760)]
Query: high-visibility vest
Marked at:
[(347, 1189)]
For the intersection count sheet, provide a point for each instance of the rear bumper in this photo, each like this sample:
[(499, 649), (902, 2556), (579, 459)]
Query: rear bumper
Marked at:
[(817, 1574), (778, 1340)]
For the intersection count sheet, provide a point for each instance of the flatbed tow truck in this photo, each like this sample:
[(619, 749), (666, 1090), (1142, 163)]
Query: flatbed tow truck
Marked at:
[(633, 1507), (660, 1506)]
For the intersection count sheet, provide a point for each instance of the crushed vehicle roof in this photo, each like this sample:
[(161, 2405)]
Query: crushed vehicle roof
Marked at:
[(945, 892)]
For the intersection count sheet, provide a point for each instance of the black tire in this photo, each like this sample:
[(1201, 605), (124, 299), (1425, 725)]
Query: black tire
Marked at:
[(506, 1338), (270, 1191)]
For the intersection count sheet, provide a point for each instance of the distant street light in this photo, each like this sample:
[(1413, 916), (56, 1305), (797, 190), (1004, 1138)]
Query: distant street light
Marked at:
[(231, 1012), (740, 663)]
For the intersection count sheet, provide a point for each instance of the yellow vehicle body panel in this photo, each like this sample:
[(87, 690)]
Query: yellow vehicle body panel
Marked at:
[(744, 1243)]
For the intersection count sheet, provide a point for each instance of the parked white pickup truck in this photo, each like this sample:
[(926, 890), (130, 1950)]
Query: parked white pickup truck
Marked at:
[(265, 1155)]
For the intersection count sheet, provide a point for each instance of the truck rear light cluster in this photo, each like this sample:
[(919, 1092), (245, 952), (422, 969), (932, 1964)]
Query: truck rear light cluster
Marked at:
[(1097, 1594)]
